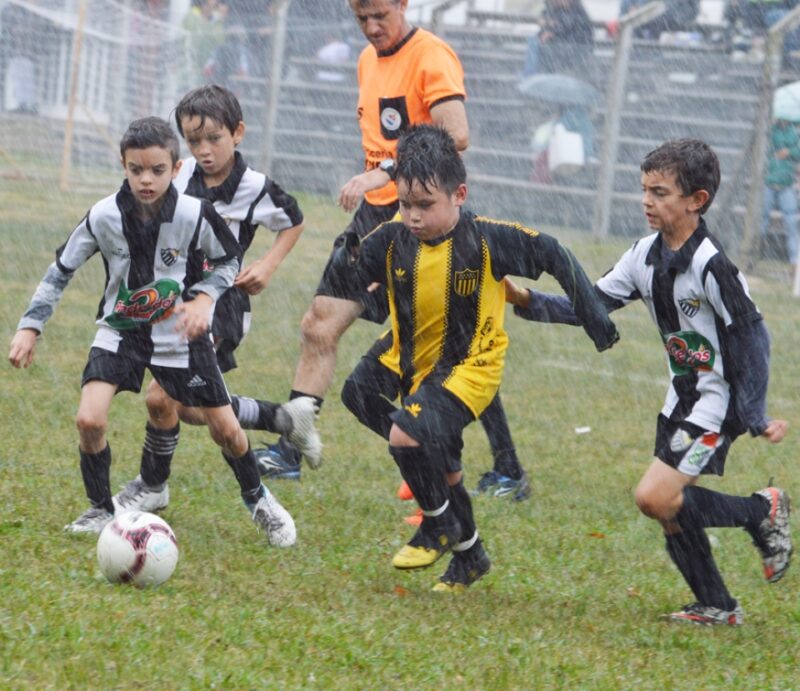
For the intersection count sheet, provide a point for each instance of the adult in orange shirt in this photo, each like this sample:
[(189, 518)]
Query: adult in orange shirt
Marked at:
[(406, 76)]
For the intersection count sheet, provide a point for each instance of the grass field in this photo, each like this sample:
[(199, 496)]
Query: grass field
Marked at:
[(579, 578)]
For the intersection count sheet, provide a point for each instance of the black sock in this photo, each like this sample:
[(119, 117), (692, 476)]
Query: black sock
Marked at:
[(297, 394), (423, 474), (462, 508), (709, 509), (95, 472), (495, 424), (691, 553), (246, 472), (255, 414), (157, 452)]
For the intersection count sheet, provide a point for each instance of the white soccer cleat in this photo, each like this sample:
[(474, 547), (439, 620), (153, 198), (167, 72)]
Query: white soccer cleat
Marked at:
[(136, 496), (303, 434), (274, 520), (91, 521)]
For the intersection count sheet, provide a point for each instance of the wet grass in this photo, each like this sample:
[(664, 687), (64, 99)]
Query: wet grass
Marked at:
[(578, 580)]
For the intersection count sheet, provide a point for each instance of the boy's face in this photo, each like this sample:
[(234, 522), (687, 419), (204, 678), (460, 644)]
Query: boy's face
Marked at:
[(666, 207), (383, 22), (213, 145), (429, 214), (149, 172)]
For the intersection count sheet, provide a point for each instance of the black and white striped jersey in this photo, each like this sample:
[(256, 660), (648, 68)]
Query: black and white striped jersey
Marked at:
[(151, 267), (246, 200), (698, 299)]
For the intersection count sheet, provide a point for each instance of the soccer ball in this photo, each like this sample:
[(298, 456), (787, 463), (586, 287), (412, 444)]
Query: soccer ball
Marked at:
[(138, 548)]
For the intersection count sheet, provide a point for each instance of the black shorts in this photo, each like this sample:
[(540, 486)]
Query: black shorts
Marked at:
[(230, 325), (201, 384), (336, 280), (691, 449)]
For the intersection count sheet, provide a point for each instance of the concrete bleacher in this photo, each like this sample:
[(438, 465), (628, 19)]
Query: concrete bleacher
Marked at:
[(672, 91)]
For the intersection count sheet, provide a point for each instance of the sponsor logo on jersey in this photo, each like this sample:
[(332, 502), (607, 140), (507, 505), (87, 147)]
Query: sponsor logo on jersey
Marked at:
[(687, 351), (146, 305), (689, 307), (465, 282), (169, 255)]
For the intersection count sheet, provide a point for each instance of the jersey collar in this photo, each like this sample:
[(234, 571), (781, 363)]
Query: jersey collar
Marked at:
[(221, 193), (682, 259), (396, 48), (127, 203)]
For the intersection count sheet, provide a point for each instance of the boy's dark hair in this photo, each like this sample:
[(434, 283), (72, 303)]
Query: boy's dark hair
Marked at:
[(428, 154), (211, 101), (147, 132), (693, 163)]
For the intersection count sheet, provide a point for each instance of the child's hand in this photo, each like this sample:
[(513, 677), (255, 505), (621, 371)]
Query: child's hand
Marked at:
[(776, 431), (22, 348), (516, 295), (194, 317), (254, 278)]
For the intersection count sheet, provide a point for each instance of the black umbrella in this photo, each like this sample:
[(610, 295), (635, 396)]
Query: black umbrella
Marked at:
[(559, 88)]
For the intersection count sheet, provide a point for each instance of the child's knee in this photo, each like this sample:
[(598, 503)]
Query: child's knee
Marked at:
[(90, 425), (655, 504), (159, 404)]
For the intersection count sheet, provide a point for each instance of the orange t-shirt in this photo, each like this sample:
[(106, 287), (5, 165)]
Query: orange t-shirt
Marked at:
[(397, 90)]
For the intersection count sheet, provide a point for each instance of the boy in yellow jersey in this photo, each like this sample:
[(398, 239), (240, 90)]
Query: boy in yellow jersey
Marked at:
[(443, 269)]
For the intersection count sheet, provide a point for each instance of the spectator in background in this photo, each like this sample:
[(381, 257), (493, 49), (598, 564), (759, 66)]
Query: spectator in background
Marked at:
[(779, 193), (204, 22), (335, 52), (679, 15), (564, 45)]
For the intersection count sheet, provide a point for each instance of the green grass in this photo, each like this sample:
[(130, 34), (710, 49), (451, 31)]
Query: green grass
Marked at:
[(579, 578)]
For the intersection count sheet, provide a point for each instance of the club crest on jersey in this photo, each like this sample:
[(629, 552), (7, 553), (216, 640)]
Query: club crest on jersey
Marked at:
[(689, 307), (391, 119), (169, 255), (687, 351), (146, 305), (465, 282)]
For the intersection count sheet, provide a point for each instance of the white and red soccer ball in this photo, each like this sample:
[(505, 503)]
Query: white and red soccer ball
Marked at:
[(138, 548)]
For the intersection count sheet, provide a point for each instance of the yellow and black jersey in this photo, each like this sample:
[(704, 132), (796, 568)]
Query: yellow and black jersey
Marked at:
[(447, 299)]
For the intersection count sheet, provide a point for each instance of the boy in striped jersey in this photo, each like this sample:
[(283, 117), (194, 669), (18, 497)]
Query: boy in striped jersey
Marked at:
[(155, 314), (443, 268), (717, 350), (210, 120)]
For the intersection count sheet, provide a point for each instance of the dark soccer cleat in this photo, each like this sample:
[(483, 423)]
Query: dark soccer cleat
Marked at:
[(774, 540), (706, 615), (279, 461), (499, 485), (465, 568)]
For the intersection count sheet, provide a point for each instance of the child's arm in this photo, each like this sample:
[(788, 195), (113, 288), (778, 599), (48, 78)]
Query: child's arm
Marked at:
[(223, 252), (255, 277), (195, 316), (22, 348)]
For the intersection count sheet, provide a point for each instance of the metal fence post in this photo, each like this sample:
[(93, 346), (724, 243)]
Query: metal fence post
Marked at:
[(615, 100), (280, 14), (769, 80)]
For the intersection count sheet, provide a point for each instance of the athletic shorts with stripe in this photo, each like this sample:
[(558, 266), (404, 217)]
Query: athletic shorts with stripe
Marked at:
[(336, 279), (691, 449), (200, 384)]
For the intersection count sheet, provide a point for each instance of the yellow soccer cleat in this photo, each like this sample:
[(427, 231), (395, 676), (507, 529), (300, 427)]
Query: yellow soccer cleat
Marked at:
[(424, 549)]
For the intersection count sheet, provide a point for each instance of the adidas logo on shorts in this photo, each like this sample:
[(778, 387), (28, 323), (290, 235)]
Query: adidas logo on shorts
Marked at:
[(196, 381)]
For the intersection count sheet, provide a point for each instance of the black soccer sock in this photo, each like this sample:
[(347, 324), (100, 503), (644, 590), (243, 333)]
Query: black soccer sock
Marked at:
[(691, 553), (95, 471), (157, 452), (371, 409), (424, 475), (495, 424), (246, 471), (462, 508), (705, 508), (255, 414), (297, 394)]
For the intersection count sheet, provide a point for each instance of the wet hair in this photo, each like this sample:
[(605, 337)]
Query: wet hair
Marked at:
[(147, 132), (213, 102), (427, 154), (693, 163)]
